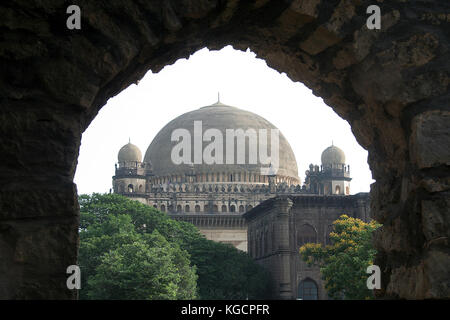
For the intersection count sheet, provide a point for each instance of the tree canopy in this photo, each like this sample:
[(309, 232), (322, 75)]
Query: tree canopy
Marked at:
[(343, 264), (129, 250)]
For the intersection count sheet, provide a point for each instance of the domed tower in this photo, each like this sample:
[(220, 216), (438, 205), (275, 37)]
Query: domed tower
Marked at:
[(129, 178), (333, 176), (335, 173)]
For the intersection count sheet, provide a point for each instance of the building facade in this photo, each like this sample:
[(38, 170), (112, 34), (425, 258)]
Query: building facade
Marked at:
[(252, 205), (278, 227)]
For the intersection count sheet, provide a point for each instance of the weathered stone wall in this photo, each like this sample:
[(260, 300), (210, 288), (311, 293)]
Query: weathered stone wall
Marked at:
[(391, 85), (278, 249)]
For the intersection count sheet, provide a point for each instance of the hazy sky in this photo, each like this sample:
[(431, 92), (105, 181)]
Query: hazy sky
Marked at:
[(244, 81)]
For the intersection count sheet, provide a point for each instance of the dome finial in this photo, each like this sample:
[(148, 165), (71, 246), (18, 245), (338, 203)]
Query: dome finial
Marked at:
[(332, 143), (129, 140), (218, 97)]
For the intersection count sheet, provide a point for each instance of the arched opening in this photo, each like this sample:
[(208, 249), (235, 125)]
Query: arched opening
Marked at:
[(224, 208), (306, 234), (232, 208), (338, 190), (385, 96), (307, 290), (179, 209), (163, 208), (241, 209), (186, 208), (215, 208), (130, 188), (197, 208)]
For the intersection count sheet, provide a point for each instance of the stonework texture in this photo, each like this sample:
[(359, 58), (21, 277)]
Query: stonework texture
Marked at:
[(391, 85), (278, 227)]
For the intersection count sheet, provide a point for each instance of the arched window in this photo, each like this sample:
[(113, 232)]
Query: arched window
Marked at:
[(122, 188), (155, 206), (186, 208), (338, 190), (206, 208), (306, 234), (215, 208), (140, 188), (170, 208), (224, 208), (197, 208), (232, 208), (163, 208), (130, 188), (241, 208), (249, 207), (179, 208), (307, 290)]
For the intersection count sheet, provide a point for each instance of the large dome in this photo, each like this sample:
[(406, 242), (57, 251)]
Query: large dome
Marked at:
[(333, 155), (221, 117)]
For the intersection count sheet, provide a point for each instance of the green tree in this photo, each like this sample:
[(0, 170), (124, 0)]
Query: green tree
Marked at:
[(343, 264), (225, 272), (145, 269), (119, 263), (110, 224)]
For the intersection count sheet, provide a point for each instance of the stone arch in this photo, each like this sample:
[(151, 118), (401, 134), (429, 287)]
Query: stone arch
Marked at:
[(306, 234), (197, 208), (308, 290), (163, 208), (395, 102), (337, 190), (232, 208), (187, 208), (241, 209), (130, 188), (224, 208)]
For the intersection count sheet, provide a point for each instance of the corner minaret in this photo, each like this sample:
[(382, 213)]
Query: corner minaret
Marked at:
[(129, 178), (333, 176)]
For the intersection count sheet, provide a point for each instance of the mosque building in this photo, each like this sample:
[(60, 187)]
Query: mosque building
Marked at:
[(256, 206)]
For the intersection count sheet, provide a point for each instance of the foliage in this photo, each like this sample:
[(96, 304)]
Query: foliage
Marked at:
[(343, 264), (129, 250), (225, 272), (119, 263)]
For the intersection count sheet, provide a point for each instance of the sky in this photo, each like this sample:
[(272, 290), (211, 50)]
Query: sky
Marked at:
[(140, 111)]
